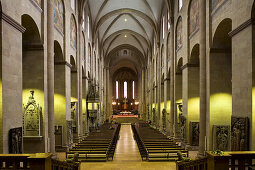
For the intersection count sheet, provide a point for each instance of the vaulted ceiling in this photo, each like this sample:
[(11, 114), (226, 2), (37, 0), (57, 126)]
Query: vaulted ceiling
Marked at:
[(130, 22), (125, 24)]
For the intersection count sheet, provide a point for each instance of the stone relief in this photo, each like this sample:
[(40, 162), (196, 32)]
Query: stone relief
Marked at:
[(74, 116), (182, 126), (221, 136), (15, 140), (239, 133), (164, 119), (193, 16), (59, 15), (58, 135), (73, 33), (148, 111), (194, 133), (32, 114), (154, 115)]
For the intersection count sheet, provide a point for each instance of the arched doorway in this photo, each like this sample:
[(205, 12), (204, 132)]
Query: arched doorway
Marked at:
[(33, 87), (193, 92), (221, 77), (74, 98), (178, 97), (59, 98)]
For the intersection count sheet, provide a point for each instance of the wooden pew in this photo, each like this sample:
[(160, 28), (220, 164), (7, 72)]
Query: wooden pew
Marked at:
[(99, 146), (154, 146)]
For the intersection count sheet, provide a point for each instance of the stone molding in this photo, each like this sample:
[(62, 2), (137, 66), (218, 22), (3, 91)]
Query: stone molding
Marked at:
[(223, 50), (189, 65), (12, 22), (63, 63), (33, 46), (242, 27)]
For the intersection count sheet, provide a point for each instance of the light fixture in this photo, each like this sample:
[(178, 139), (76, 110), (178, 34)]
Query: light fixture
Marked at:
[(125, 36), (125, 19)]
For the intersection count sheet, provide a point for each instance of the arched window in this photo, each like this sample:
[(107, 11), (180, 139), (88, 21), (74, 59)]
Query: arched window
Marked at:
[(83, 20), (163, 27), (168, 20), (125, 89), (180, 5), (88, 26), (73, 5), (117, 89), (133, 86)]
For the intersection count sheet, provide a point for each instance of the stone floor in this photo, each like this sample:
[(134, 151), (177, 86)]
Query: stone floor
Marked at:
[(127, 156)]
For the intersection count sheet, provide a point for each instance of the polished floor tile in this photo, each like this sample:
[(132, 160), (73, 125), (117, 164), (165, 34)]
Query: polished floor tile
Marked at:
[(127, 156)]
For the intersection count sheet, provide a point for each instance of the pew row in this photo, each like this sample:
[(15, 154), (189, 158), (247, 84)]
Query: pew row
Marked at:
[(99, 146), (154, 146)]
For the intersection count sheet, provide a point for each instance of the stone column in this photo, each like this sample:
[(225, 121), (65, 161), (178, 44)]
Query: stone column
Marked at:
[(158, 83), (79, 64), (108, 98), (142, 102), (50, 74), (202, 121), (172, 73)]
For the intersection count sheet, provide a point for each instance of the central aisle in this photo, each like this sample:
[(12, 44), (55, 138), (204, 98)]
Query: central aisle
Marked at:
[(127, 156), (126, 149)]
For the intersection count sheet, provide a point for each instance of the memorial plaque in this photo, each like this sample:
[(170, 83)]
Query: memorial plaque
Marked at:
[(154, 115), (221, 136), (15, 140), (164, 119), (74, 116), (32, 114), (58, 135), (194, 133), (182, 127), (239, 133)]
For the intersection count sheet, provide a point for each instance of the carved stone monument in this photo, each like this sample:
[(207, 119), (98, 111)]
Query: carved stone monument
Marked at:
[(194, 133), (32, 114), (239, 133), (164, 119), (154, 115), (182, 127), (59, 136), (15, 140), (148, 111), (221, 136), (74, 116)]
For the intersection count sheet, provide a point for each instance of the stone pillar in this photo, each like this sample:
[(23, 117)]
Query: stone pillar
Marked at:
[(50, 74), (142, 102), (79, 65), (202, 121), (108, 98), (172, 73), (158, 83)]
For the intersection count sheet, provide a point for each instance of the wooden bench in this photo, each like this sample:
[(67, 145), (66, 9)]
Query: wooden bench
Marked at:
[(99, 146), (154, 146)]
